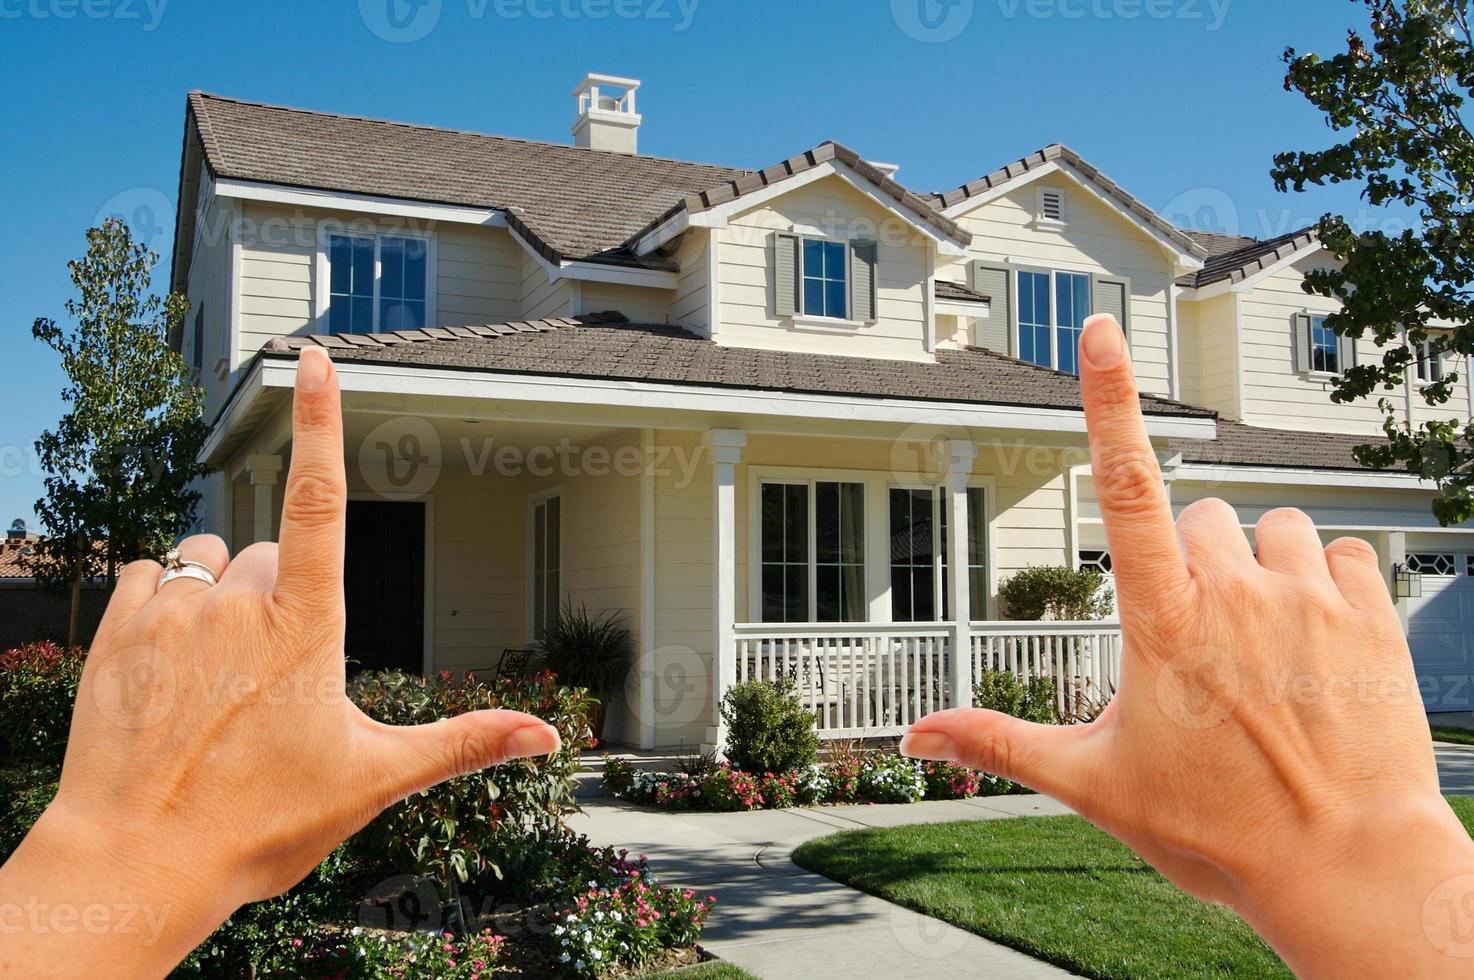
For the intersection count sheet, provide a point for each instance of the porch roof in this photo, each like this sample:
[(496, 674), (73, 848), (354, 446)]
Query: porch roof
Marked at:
[(1238, 444), (607, 346)]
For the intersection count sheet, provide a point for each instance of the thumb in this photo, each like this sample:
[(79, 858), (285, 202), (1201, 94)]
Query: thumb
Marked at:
[(1046, 758), (414, 757)]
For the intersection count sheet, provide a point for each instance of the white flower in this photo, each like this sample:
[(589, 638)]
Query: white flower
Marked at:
[(597, 954), (564, 958), (580, 965)]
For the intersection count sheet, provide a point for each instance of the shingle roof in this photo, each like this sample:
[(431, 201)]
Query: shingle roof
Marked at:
[(606, 345), (957, 292), (1247, 445), (580, 203), (1235, 257), (14, 565), (1059, 153)]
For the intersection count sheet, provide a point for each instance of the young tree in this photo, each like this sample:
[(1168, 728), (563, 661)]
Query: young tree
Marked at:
[(1399, 103), (120, 461)]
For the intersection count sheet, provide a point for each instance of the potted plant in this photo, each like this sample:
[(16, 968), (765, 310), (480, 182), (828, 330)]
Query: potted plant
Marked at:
[(588, 651)]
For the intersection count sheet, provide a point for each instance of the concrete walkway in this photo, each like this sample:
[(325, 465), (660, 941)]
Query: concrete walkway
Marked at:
[(1455, 768), (776, 920)]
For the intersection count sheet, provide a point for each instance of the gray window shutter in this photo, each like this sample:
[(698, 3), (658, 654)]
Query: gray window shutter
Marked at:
[(1301, 342), (785, 273), (996, 331), (862, 281), (1345, 353), (1113, 295), (1437, 365)]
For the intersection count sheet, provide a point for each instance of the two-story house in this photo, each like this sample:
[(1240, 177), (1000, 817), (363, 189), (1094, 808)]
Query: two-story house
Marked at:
[(800, 420)]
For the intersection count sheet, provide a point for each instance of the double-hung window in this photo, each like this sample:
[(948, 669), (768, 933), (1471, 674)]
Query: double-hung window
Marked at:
[(1427, 366), (813, 552), (1052, 307), (1325, 347), (377, 283), (919, 555), (825, 283), (546, 554)]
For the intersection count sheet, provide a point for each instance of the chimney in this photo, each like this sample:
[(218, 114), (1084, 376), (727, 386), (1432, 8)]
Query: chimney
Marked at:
[(606, 118)]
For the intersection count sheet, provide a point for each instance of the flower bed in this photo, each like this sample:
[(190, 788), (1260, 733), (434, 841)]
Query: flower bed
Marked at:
[(848, 777)]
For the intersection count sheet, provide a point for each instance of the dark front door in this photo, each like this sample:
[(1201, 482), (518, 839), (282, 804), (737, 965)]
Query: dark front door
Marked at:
[(384, 583)]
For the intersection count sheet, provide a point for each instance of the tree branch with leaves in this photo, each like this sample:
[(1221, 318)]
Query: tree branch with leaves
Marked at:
[(1398, 97)]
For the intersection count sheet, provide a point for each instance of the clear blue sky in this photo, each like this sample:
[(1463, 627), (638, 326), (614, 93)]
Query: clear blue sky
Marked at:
[(1181, 101)]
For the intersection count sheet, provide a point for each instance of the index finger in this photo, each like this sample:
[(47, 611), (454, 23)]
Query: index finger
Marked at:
[(314, 509), (1145, 556)]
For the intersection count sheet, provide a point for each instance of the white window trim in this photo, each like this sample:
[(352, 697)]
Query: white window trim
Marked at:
[(878, 484), (812, 498), (1313, 373), (1418, 377), (816, 320), (322, 270), (535, 500)]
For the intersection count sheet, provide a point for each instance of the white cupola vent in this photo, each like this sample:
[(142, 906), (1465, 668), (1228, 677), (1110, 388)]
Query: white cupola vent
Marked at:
[(606, 118)]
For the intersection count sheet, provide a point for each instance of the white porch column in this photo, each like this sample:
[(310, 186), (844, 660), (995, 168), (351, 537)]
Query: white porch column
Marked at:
[(724, 449), (957, 468), (263, 470)]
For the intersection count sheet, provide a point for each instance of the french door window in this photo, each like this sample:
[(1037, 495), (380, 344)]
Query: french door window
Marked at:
[(1052, 307), (813, 552), (546, 532), (918, 524)]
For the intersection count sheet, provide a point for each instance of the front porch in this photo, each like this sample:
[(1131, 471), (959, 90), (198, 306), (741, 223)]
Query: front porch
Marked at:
[(857, 559)]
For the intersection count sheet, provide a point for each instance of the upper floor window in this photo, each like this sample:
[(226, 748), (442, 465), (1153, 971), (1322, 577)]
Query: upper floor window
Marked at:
[(1428, 367), (1325, 352), (825, 278), (1052, 308), (377, 283)]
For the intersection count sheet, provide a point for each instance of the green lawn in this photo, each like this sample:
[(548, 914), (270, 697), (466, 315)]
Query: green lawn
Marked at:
[(705, 971), (1053, 887), (1459, 735)]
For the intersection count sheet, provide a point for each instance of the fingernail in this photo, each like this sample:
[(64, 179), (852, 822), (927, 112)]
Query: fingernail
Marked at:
[(1103, 342), (935, 746), (313, 365), (531, 740)]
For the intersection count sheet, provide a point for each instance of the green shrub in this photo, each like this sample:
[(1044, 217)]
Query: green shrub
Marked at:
[(24, 793), (478, 822), (38, 686), (1057, 593), (592, 652), (768, 730), (891, 779), (1001, 690)]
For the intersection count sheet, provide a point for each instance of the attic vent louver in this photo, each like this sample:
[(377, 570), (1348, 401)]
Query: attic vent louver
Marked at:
[(1051, 204)]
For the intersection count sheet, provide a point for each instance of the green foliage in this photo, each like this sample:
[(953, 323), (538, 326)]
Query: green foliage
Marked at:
[(121, 461), (1001, 690), (892, 779), (768, 729), (475, 823), (1398, 101), (38, 686), (1056, 592), (24, 793), (360, 955), (588, 651)]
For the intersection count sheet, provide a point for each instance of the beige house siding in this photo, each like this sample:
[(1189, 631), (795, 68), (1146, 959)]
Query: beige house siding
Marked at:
[(691, 305), (1209, 371), (540, 297), (478, 275), (642, 304), (1094, 239), (208, 274), (278, 250), (828, 208)]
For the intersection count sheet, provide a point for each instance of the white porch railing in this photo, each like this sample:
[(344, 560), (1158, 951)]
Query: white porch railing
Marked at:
[(1083, 658), (859, 679), (869, 679)]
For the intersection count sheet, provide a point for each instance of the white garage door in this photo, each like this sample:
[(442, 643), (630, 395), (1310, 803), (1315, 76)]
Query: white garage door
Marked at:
[(1440, 629)]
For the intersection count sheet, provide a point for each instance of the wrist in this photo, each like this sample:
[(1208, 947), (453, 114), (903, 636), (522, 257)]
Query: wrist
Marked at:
[(82, 895), (1360, 895)]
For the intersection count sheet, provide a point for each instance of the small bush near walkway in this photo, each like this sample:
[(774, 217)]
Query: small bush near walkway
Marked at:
[(768, 729), (1001, 690)]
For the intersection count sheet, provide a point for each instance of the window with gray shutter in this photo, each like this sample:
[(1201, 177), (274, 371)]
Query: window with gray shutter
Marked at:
[(1113, 296), (1300, 345), (862, 281), (198, 340), (995, 331), (1347, 347), (785, 273)]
